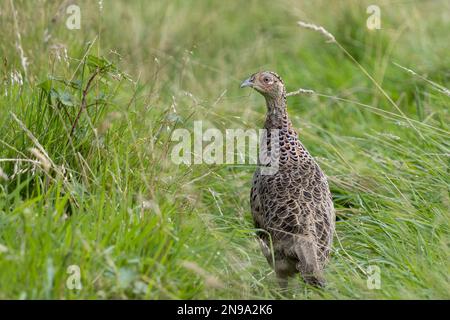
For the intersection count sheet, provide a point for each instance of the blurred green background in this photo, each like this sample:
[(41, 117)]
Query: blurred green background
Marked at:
[(102, 193)]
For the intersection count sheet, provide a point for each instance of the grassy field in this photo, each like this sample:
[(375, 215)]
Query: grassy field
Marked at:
[(86, 116)]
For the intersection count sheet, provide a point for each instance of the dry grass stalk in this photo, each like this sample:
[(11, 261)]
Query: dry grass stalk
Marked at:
[(332, 39), (440, 88), (23, 58), (43, 160), (300, 91), (33, 138), (45, 155), (317, 28)]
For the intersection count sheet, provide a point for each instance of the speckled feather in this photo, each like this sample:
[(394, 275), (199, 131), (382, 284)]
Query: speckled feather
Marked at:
[(292, 208)]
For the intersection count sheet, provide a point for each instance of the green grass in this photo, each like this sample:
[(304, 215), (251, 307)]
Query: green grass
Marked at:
[(138, 226)]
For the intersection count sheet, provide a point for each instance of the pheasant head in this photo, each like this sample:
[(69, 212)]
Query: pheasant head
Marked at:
[(268, 83)]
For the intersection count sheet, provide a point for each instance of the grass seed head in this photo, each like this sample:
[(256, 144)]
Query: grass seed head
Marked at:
[(44, 162), (317, 28)]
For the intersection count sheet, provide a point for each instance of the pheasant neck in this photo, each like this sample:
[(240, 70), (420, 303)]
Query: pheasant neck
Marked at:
[(277, 116)]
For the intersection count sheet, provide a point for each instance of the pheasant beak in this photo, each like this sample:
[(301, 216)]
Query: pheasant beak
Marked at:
[(247, 83)]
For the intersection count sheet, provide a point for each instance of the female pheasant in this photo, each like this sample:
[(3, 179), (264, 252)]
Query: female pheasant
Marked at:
[(292, 207)]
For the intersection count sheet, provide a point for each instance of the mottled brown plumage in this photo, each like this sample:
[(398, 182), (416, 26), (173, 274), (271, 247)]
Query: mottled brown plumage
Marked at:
[(292, 208)]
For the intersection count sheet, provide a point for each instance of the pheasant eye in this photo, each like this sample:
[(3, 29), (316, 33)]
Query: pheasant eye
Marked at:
[(266, 80)]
